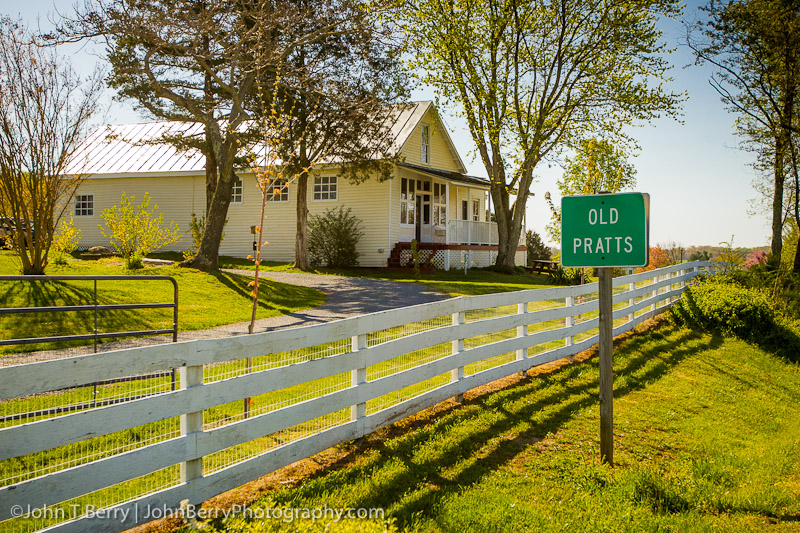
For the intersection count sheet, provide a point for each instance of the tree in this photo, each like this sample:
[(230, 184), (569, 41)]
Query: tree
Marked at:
[(597, 166), (755, 47), (537, 250), (531, 77), (334, 94), (45, 109)]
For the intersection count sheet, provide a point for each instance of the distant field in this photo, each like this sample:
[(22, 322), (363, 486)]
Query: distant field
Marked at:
[(707, 439)]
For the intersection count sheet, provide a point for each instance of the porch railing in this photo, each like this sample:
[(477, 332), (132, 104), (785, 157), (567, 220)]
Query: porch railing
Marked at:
[(471, 232)]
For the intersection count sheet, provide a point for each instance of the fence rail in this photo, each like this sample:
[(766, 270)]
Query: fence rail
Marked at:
[(313, 387)]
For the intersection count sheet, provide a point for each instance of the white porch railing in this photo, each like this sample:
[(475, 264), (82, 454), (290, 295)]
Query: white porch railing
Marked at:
[(306, 389), (471, 232)]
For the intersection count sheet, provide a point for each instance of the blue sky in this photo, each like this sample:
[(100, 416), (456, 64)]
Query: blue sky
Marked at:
[(698, 180)]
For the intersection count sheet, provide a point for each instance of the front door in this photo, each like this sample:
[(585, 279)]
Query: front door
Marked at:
[(424, 227)]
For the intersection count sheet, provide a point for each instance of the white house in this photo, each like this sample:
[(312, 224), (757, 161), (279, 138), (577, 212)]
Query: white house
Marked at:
[(429, 197)]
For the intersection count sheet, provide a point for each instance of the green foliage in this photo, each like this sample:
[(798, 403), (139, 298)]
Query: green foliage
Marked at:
[(333, 238), (700, 255), (537, 249), (65, 241), (197, 227), (715, 305), (597, 166), (790, 239), (757, 305), (136, 231), (565, 276), (730, 257)]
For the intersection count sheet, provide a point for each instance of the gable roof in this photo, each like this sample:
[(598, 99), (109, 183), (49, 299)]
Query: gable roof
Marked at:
[(134, 149)]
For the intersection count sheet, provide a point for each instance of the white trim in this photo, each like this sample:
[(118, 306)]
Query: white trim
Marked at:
[(233, 190)]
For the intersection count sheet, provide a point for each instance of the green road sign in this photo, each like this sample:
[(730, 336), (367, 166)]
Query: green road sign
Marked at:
[(605, 230)]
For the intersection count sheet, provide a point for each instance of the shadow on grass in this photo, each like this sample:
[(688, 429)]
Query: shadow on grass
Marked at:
[(459, 441), (56, 323)]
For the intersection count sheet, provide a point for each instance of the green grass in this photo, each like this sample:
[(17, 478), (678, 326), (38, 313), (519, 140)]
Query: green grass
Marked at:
[(452, 283), (707, 439), (205, 300)]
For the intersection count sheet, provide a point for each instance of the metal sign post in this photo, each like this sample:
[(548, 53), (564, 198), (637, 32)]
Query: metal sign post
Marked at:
[(605, 231)]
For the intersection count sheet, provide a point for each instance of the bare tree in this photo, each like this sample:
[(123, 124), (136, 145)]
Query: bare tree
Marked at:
[(45, 109)]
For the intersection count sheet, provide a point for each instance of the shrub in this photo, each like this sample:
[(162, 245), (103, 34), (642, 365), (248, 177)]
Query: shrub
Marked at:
[(65, 241), (718, 305), (136, 231), (565, 276), (197, 226), (333, 237)]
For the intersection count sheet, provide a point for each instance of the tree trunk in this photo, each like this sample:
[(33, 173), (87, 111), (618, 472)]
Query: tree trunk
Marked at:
[(509, 226), (207, 256), (777, 199), (301, 237), (211, 179), (796, 266)]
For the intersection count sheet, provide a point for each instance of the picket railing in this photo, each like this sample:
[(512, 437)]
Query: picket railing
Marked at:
[(249, 405)]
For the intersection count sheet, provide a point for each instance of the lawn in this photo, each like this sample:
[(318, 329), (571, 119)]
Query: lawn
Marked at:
[(205, 300), (707, 439)]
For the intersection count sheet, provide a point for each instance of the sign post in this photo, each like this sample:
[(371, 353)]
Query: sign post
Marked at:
[(605, 231)]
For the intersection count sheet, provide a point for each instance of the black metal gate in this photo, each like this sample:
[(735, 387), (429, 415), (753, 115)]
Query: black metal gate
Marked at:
[(93, 307)]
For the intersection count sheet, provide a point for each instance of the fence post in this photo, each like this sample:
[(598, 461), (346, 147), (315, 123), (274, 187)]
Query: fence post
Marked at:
[(191, 376), (358, 376), (654, 294), (569, 321), (457, 374), (631, 302), (522, 331)]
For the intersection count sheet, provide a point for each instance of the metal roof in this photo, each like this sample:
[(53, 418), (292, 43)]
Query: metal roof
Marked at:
[(139, 149)]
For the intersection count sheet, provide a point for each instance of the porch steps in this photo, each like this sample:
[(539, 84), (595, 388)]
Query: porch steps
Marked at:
[(427, 251)]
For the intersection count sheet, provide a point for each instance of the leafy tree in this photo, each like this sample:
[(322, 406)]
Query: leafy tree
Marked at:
[(596, 167), (537, 249), (755, 47), (531, 77), (700, 255), (45, 109), (136, 231), (658, 259)]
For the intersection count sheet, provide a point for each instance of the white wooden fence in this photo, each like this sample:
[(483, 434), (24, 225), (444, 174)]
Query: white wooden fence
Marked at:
[(390, 357)]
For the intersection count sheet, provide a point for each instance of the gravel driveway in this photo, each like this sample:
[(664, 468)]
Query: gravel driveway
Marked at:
[(345, 297)]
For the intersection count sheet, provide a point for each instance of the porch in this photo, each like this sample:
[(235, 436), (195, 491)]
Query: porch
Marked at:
[(445, 256)]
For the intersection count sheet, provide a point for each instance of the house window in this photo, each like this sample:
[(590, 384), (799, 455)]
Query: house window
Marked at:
[(439, 204), (464, 210), (278, 191), (236, 191), (325, 187), (408, 200), (476, 210), (426, 144), (84, 205)]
